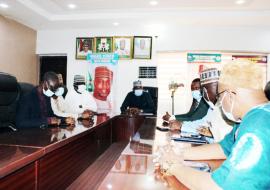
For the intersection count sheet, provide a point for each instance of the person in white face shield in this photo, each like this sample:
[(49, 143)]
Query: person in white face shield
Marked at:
[(79, 101), (138, 99)]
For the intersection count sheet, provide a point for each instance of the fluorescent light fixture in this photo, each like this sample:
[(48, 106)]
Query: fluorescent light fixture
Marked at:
[(3, 5), (240, 2), (72, 6), (116, 23), (153, 3)]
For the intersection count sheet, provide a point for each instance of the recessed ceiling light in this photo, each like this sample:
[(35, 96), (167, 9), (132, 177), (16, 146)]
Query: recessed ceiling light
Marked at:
[(72, 6), (240, 2), (116, 23), (153, 3), (3, 5)]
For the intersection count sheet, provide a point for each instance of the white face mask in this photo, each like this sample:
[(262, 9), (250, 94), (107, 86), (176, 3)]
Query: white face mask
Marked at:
[(211, 104), (59, 91), (81, 88), (196, 94), (138, 92), (48, 92), (229, 115)]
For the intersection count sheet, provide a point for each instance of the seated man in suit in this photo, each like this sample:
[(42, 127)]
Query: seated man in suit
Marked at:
[(198, 108), (138, 99), (35, 108)]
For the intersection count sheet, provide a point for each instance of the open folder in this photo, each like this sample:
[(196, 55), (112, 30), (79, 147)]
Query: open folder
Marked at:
[(193, 139)]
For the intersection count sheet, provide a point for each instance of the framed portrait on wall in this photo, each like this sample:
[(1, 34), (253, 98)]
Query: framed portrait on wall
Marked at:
[(84, 46), (103, 44), (142, 47), (123, 46)]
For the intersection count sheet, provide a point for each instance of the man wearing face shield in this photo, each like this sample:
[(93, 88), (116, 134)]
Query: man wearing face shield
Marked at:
[(35, 109), (79, 101), (138, 99), (247, 147)]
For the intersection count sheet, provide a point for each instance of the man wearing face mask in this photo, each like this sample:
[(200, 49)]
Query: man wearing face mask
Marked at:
[(35, 109), (78, 100), (138, 99), (247, 147), (198, 108), (209, 81)]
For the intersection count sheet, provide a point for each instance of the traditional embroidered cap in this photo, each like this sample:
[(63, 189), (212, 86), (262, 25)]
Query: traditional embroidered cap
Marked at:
[(137, 83), (209, 75), (79, 79), (103, 72)]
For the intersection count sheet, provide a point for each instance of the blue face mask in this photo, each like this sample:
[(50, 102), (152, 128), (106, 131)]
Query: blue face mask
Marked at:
[(59, 91), (138, 92), (81, 88), (48, 92), (196, 94)]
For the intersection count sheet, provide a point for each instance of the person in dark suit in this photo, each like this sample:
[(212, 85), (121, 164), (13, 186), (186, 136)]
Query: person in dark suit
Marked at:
[(35, 109), (209, 83), (138, 99), (198, 108)]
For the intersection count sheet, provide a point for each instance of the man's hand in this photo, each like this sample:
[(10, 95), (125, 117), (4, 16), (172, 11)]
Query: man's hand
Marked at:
[(87, 123), (175, 125), (70, 121), (54, 121), (166, 117), (135, 110), (87, 114)]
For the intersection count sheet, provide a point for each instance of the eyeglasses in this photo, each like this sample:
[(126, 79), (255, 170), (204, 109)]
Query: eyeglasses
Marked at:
[(228, 91)]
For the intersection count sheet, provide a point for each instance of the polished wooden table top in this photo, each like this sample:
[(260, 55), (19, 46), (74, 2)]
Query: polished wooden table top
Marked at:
[(12, 157), (135, 168), (18, 148)]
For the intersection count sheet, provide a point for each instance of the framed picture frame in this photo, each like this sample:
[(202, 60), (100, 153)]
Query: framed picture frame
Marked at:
[(84, 45), (123, 46), (103, 44), (142, 47)]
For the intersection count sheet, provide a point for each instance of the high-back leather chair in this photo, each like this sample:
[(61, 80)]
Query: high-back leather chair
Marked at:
[(26, 88), (153, 91), (9, 96)]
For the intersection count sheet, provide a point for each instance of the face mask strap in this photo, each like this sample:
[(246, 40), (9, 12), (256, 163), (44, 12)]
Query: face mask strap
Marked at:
[(232, 100), (205, 92)]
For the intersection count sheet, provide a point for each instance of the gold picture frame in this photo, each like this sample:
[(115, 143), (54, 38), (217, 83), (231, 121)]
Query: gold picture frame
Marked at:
[(123, 46)]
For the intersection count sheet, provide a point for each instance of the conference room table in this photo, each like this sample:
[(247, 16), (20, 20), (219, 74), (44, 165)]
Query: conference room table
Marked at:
[(55, 157)]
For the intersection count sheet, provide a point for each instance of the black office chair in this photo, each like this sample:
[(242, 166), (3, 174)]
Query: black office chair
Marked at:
[(26, 88), (9, 96), (153, 91)]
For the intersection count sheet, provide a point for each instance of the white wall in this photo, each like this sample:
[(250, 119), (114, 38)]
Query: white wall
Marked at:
[(63, 42), (170, 38)]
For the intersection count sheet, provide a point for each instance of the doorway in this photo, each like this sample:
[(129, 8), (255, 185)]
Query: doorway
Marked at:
[(57, 64)]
